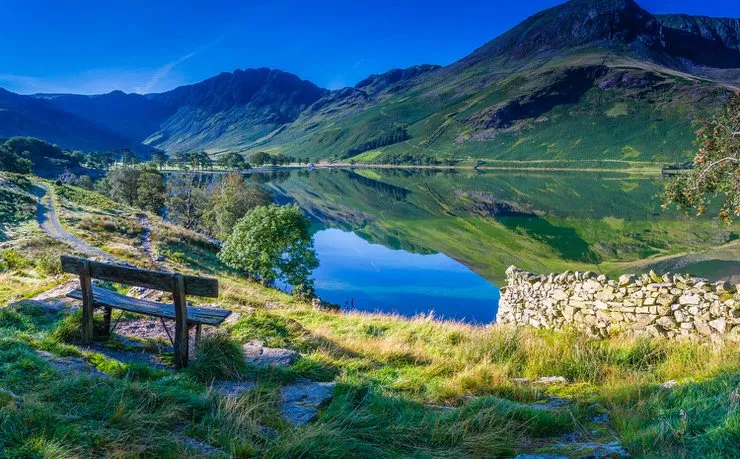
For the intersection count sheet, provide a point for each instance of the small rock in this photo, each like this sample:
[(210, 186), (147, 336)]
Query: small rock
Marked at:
[(626, 279), (719, 324), (725, 287), (669, 384), (256, 353), (73, 365), (300, 401), (551, 380), (232, 388)]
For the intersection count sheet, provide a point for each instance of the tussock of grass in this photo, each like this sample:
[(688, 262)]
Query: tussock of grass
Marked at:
[(218, 357)]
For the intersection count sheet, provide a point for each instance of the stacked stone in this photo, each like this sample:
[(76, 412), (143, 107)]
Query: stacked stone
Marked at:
[(671, 305)]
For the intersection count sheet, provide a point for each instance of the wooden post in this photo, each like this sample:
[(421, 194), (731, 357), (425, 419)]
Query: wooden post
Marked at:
[(197, 335), (181, 321), (88, 306), (106, 321)]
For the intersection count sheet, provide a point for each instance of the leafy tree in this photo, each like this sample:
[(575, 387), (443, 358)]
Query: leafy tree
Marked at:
[(232, 161), (186, 201), (273, 243), (99, 160), (12, 162), (84, 181), (716, 171), (159, 158), (151, 192), (182, 160), (128, 157), (231, 200), (124, 184), (41, 154), (260, 158)]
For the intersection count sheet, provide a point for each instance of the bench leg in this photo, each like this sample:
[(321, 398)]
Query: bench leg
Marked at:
[(88, 306), (107, 312), (197, 336), (181, 321)]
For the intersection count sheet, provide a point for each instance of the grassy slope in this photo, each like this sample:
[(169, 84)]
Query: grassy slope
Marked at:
[(648, 123), (27, 255), (393, 375)]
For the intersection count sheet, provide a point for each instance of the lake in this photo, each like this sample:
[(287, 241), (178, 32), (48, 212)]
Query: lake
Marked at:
[(423, 241)]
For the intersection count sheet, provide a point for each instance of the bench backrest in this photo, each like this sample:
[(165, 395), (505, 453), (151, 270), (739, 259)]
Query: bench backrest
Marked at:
[(157, 280)]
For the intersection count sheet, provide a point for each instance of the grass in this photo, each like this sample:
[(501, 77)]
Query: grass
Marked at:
[(416, 387), (405, 387)]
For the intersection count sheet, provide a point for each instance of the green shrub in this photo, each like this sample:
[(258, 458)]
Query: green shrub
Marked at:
[(14, 260), (48, 264)]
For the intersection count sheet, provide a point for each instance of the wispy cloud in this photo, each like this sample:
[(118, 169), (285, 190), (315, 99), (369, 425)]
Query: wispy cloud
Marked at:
[(163, 72), (103, 80)]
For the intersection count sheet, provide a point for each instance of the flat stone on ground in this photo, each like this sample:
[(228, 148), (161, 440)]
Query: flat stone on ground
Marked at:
[(256, 353), (232, 388), (73, 365), (300, 401)]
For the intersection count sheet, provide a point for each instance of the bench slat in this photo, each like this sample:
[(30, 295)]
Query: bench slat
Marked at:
[(103, 297), (194, 285)]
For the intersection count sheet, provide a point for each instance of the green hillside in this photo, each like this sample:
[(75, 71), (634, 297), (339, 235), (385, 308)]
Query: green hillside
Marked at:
[(585, 80)]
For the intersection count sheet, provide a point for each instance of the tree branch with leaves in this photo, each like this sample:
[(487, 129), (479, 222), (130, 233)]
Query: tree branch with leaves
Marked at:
[(716, 171)]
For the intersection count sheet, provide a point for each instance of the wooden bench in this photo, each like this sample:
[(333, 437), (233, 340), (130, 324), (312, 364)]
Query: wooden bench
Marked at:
[(179, 285)]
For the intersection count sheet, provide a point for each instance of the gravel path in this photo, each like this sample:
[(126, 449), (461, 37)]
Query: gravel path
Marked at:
[(48, 220)]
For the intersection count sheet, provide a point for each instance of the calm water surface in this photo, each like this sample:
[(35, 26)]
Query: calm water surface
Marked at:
[(371, 277), (412, 242)]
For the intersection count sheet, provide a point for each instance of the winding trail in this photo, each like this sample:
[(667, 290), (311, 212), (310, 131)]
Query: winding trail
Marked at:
[(48, 220)]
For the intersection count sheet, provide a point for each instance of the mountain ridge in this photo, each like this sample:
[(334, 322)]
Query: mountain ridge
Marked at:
[(584, 60)]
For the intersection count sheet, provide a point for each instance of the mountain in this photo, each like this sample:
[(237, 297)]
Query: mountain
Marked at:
[(231, 109), (585, 80), (31, 116), (131, 116)]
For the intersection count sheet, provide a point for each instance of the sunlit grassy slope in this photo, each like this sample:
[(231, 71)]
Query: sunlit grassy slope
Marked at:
[(416, 387), (583, 104)]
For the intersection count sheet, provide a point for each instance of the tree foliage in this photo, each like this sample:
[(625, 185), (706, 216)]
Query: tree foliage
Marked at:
[(273, 243), (16, 153), (232, 161), (151, 190), (124, 184), (12, 162), (716, 171), (230, 200), (186, 200), (143, 187), (260, 158)]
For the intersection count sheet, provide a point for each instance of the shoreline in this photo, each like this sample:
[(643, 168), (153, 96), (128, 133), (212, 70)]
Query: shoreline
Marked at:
[(656, 169)]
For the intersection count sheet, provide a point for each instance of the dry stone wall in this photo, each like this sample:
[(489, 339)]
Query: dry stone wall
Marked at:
[(671, 305)]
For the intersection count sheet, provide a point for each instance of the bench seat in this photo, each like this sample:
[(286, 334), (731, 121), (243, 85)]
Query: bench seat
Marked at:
[(106, 298)]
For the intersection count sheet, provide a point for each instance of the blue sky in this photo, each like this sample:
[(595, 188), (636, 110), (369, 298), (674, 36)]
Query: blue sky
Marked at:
[(151, 46)]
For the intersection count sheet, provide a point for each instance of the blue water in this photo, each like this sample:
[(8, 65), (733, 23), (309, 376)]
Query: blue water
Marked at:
[(369, 277)]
